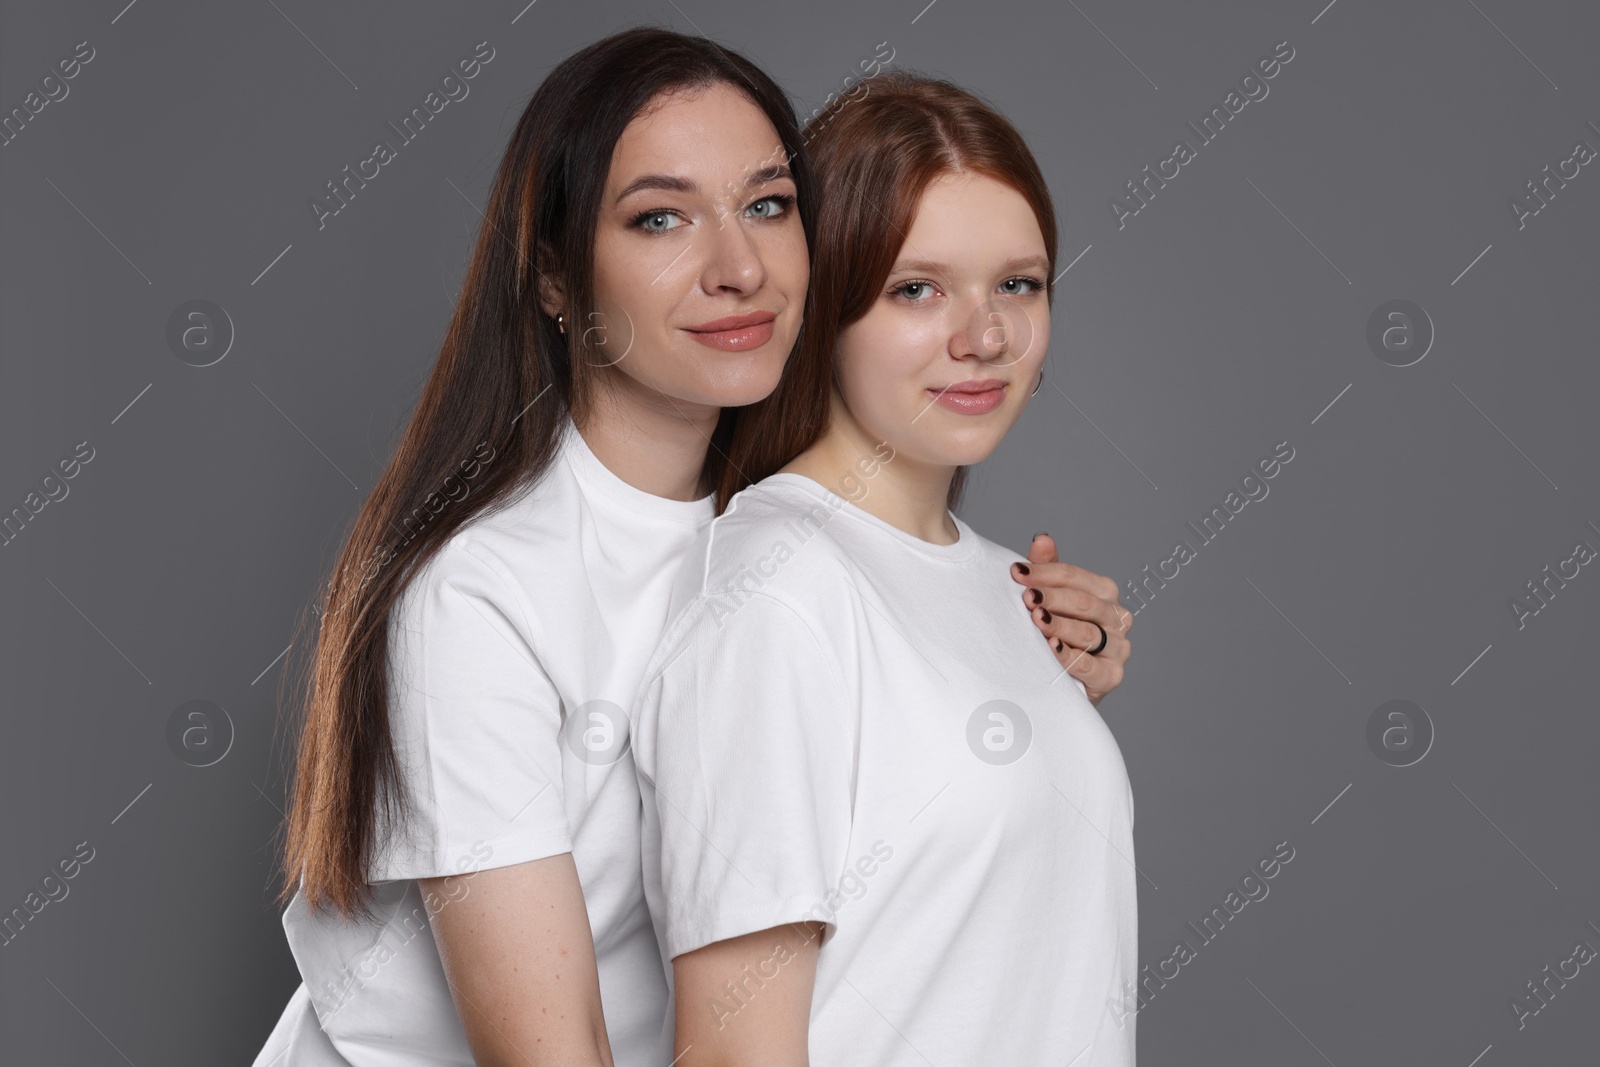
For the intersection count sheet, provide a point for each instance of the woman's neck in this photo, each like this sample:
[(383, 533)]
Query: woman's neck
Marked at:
[(903, 492), (649, 440)]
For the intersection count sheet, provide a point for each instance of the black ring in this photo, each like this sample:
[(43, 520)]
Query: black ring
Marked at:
[(1101, 646)]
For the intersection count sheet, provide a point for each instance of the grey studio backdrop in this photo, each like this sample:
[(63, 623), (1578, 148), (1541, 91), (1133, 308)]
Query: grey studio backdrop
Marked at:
[(1379, 661)]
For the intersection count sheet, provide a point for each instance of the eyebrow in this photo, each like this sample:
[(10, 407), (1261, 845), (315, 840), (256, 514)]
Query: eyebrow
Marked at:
[(931, 267), (676, 184)]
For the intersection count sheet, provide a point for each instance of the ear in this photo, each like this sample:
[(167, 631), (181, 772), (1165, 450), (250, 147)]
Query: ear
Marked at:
[(552, 296)]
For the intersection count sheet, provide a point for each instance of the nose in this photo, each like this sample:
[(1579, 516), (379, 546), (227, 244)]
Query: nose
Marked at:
[(733, 262), (992, 331)]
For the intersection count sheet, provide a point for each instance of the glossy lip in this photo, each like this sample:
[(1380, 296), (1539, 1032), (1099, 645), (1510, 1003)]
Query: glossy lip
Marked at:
[(733, 322), (735, 333), (974, 385), (974, 397)]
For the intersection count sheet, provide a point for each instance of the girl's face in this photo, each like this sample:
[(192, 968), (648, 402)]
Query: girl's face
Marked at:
[(700, 258), (943, 362)]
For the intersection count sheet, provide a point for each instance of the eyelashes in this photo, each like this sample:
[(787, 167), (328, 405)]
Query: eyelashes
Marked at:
[(785, 202), (915, 283), (638, 221), (1037, 284)]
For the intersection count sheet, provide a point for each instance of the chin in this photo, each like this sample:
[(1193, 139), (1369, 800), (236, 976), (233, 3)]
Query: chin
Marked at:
[(943, 451), (739, 387), (723, 379), (962, 450)]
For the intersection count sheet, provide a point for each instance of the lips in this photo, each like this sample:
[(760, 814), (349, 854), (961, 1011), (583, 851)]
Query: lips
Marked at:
[(735, 333), (972, 397), (976, 385), (733, 322)]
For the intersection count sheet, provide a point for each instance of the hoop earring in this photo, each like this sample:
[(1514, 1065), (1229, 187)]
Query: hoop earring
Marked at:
[(1037, 385), (561, 322)]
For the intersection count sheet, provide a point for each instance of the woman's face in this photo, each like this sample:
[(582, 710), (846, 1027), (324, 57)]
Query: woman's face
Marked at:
[(943, 362), (700, 257)]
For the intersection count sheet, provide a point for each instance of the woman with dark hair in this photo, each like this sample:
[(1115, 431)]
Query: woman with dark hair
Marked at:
[(463, 840), (881, 826)]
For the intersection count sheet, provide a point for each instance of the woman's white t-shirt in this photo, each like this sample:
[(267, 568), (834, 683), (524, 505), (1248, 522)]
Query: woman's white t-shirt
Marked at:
[(514, 656), (847, 724)]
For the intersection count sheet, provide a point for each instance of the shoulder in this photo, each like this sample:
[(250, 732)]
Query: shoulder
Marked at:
[(514, 546), (454, 595), (779, 538), (499, 558), (775, 559)]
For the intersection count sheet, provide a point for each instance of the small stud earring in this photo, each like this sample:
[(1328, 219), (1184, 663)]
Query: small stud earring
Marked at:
[(561, 322)]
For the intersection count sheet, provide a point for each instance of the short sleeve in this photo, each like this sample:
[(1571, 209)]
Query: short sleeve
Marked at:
[(749, 743), (475, 722)]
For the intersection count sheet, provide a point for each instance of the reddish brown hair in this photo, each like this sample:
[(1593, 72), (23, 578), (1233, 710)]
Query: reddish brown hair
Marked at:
[(872, 156)]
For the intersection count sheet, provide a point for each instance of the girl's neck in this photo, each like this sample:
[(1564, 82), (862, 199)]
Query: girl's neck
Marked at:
[(907, 494)]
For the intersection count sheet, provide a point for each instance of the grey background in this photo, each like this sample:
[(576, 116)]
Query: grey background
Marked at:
[(1227, 316)]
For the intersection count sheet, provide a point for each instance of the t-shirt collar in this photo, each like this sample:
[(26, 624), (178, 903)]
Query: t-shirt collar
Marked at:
[(597, 478), (963, 548)]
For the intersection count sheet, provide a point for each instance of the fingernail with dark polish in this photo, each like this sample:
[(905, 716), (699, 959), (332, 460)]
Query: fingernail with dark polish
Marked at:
[(1038, 535), (1021, 568), (1046, 614), (1036, 596)]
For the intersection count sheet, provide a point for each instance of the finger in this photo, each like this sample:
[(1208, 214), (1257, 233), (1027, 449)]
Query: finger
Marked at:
[(1057, 576), (1042, 549), (1099, 676), (1075, 597), (1075, 661), (1074, 632), (1077, 604), (1061, 575), (1081, 635), (1082, 664)]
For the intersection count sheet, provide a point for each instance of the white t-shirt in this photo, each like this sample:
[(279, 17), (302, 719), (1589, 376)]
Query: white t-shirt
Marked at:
[(848, 724), (514, 656)]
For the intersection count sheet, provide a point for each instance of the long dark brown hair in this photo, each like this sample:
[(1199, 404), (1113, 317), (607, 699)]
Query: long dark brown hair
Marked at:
[(873, 155), (487, 423)]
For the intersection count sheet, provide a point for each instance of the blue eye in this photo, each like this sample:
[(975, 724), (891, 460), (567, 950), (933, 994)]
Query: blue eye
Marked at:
[(771, 207), (655, 221)]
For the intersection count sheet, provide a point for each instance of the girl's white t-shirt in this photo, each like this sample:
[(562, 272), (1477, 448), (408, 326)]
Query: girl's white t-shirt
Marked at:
[(847, 724), (514, 656)]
